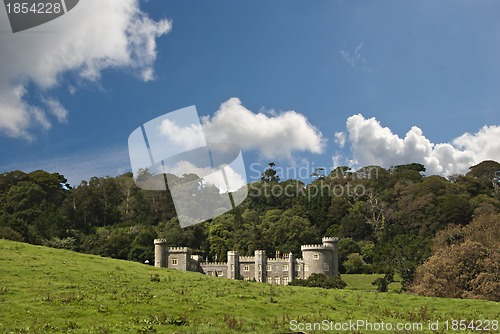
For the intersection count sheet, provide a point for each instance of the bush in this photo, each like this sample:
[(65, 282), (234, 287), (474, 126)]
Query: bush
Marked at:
[(8, 233), (320, 281)]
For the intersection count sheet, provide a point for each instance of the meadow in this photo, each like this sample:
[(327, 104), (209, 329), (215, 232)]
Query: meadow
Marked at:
[(45, 290)]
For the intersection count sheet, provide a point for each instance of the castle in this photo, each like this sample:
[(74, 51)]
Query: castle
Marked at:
[(280, 270)]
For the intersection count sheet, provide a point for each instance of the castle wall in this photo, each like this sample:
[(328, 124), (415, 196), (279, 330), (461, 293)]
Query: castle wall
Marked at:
[(218, 269), (278, 271), (180, 258)]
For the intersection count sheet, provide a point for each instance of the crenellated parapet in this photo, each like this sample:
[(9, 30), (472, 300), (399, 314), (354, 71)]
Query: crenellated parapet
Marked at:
[(160, 241), (329, 240), (214, 264), (247, 258), (315, 247), (179, 249), (284, 260)]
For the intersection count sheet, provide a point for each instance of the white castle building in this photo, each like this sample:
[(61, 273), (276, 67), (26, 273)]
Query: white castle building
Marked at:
[(321, 258)]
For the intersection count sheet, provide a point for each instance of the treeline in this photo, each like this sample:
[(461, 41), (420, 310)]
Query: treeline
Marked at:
[(388, 220)]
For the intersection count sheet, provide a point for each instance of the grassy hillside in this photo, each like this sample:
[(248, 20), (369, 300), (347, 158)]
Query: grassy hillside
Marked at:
[(364, 282), (44, 290)]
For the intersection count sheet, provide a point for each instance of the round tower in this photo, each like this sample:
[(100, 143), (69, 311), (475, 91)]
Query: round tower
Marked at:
[(334, 243), (330, 241), (291, 267), (161, 253), (321, 259)]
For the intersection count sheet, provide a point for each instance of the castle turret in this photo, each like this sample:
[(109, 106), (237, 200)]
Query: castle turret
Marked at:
[(233, 265), (321, 258), (180, 258), (161, 253), (291, 267), (260, 266), (334, 243)]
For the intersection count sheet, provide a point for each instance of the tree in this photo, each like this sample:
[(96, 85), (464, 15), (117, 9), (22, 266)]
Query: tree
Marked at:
[(270, 174), (404, 254), (465, 263), (354, 264)]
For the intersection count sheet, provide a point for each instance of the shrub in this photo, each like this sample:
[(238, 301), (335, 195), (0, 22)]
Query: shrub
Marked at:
[(320, 281)]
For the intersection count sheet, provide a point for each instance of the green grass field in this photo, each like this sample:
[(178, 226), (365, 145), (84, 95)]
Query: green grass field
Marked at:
[(44, 290), (364, 282)]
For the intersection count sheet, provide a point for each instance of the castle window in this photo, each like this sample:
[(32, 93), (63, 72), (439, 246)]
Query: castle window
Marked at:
[(246, 268), (285, 280), (270, 280), (260, 267), (277, 280), (232, 267), (316, 256), (269, 267), (285, 267), (298, 268), (210, 273), (220, 274), (306, 267), (174, 262), (326, 267)]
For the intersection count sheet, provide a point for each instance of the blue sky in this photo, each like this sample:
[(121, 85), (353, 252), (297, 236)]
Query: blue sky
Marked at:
[(383, 82)]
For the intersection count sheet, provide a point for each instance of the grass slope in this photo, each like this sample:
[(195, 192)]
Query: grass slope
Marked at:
[(364, 282), (44, 290)]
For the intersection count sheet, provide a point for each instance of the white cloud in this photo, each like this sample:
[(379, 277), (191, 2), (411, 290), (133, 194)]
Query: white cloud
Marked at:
[(56, 109), (182, 136), (210, 175), (355, 59), (95, 35), (274, 136), (340, 138), (373, 144)]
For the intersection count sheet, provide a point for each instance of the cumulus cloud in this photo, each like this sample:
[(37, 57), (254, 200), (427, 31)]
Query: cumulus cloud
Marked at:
[(275, 135), (211, 175), (373, 144), (182, 136), (95, 35)]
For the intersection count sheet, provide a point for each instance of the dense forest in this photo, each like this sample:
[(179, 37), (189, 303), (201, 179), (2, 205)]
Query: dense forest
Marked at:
[(440, 235)]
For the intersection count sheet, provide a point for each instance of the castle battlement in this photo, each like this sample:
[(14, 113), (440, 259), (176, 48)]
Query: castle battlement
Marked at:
[(207, 264), (179, 249), (315, 247), (278, 260), (247, 258), (329, 239), (160, 241)]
